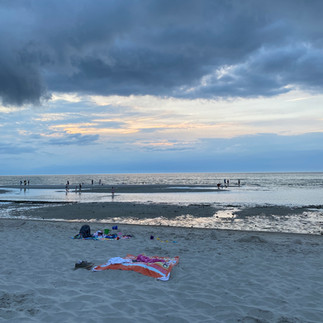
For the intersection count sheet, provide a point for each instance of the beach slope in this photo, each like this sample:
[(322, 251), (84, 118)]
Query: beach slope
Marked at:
[(222, 276)]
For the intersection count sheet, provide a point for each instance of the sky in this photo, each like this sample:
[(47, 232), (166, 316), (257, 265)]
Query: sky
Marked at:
[(141, 86)]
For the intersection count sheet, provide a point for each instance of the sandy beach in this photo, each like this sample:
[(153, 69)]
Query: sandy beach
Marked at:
[(222, 275)]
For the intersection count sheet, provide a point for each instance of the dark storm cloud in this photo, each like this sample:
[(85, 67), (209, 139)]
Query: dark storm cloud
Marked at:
[(182, 48)]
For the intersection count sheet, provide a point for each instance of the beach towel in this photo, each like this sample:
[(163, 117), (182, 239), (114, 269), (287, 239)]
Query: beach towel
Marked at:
[(118, 236), (85, 234), (156, 267)]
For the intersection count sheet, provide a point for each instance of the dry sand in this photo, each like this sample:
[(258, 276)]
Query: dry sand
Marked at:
[(222, 276)]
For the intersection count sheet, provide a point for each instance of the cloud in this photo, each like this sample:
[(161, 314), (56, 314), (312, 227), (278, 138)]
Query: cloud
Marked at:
[(164, 48), (262, 144), (262, 152), (73, 139), (10, 149)]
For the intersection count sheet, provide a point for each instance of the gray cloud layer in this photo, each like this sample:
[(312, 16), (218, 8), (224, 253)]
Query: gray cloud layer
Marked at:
[(179, 48)]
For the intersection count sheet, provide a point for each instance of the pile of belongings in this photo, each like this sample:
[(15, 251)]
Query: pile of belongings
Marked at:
[(156, 267), (85, 233)]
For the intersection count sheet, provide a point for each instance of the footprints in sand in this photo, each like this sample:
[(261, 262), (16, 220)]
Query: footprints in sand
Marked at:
[(222, 276), (12, 303)]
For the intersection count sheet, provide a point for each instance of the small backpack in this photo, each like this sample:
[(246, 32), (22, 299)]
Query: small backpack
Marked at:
[(85, 231)]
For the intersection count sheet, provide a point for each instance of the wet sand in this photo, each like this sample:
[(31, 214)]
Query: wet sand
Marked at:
[(111, 210)]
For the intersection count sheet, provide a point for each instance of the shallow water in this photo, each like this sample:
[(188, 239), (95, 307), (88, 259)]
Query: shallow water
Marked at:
[(232, 195), (256, 190), (248, 180)]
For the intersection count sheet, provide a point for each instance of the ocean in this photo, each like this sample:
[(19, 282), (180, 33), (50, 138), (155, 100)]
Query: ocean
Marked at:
[(283, 202)]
